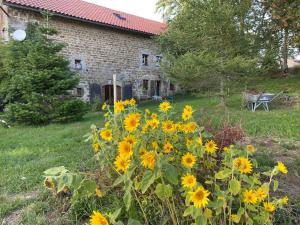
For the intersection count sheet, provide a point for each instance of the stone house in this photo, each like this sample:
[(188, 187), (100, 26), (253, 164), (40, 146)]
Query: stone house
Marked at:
[(100, 42)]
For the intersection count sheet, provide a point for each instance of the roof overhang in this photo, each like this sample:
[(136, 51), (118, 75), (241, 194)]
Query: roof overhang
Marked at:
[(18, 6)]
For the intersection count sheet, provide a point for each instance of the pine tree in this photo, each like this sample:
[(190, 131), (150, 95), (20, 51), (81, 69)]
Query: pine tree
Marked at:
[(35, 78)]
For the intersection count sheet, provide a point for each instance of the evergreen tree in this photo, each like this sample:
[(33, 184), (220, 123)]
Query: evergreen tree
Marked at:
[(35, 79)]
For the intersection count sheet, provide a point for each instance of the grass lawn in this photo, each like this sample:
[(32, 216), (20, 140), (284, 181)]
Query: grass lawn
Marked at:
[(25, 152)]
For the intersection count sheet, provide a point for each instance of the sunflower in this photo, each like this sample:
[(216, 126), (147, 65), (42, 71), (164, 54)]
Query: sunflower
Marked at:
[(188, 181), (130, 139), (188, 142), (168, 147), (243, 164), (104, 106), (168, 126), (284, 200), (98, 192), (199, 141), (154, 116), (260, 194), (191, 126), (49, 183), (235, 218), (154, 145), (188, 160), (226, 149), (199, 197), (125, 149), (165, 106), (132, 102), (153, 123), (98, 219), (250, 148), (186, 115), (269, 207), (96, 147), (282, 168), (106, 134), (121, 163), (148, 160), (142, 151), (188, 108), (211, 147), (249, 197), (119, 106), (132, 121)]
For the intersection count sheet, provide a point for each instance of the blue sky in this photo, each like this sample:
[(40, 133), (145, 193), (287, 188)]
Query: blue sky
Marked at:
[(143, 8)]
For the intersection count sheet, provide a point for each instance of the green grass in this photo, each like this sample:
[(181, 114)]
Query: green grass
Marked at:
[(25, 152)]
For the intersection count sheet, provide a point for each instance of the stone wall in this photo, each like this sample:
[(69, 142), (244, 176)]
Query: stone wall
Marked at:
[(3, 23), (97, 53)]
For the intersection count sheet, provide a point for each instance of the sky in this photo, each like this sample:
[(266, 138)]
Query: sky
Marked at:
[(143, 8)]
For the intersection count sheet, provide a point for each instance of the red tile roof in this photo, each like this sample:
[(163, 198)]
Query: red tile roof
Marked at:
[(93, 13)]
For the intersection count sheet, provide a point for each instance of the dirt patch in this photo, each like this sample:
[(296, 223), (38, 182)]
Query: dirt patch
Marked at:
[(24, 197), (14, 218), (285, 151)]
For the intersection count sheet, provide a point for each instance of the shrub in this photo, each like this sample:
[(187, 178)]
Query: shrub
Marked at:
[(43, 110), (37, 110), (168, 174), (228, 135), (69, 110)]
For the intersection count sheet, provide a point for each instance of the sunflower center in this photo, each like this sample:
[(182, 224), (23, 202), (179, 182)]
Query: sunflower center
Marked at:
[(189, 160), (199, 195)]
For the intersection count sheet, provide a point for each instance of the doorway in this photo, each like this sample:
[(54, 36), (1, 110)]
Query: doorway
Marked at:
[(108, 91)]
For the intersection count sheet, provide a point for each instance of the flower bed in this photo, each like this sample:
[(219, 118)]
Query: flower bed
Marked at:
[(162, 161)]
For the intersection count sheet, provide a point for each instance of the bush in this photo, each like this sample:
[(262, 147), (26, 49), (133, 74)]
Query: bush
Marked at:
[(96, 105), (37, 110), (228, 135), (69, 110), (43, 110), (167, 174)]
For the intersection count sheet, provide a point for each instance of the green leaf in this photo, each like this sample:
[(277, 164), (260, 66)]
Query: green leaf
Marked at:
[(240, 212), (86, 189), (147, 180), (201, 220), (188, 211), (119, 223), (113, 216), (234, 186), (55, 171), (134, 222), (119, 180), (127, 199), (171, 174), (223, 174), (163, 191), (275, 185)]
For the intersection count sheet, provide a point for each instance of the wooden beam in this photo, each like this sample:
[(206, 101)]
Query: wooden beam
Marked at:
[(4, 10)]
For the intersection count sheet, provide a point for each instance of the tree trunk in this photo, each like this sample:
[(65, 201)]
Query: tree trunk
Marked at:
[(285, 50), (222, 92)]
